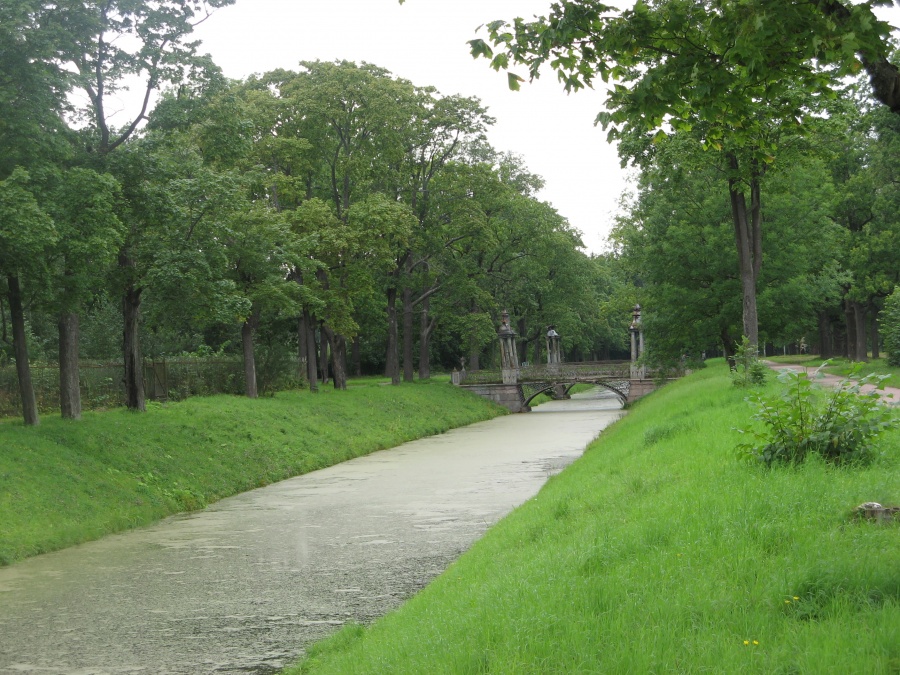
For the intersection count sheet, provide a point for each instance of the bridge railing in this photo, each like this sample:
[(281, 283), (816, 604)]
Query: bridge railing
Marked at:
[(556, 373)]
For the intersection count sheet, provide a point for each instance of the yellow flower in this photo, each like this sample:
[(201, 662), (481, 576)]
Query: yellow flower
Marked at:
[(746, 642), (756, 642), (796, 598)]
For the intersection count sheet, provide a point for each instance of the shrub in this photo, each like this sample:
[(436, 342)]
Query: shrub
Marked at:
[(890, 327), (748, 370), (840, 425)]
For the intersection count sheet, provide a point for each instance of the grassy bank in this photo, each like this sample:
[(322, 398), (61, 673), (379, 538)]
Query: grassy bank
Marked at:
[(63, 483), (659, 552)]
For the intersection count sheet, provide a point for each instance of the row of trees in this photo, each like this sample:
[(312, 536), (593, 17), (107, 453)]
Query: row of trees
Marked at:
[(751, 143), (336, 210), (831, 245)]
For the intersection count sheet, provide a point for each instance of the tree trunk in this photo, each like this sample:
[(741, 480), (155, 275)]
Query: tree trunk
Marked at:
[(323, 352), (876, 352), (826, 346), (850, 320), (426, 326), (728, 349), (408, 367), (748, 239), (69, 382), (392, 358), (247, 332), (859, 318), (20, 349), (131, 349), (312, 369), (338, 345), (356, 356), (302, 349)]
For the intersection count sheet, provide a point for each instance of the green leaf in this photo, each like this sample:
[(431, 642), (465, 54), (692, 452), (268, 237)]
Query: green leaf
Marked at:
[(514, 81), (479, 47)]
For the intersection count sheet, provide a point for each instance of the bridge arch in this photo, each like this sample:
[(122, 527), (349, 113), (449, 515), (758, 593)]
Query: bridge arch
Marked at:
[(619, 388)]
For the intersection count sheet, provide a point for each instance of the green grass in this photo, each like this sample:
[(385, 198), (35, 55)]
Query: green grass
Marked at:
[(65, 482), (842, 366), (877, 366), (656, 552)]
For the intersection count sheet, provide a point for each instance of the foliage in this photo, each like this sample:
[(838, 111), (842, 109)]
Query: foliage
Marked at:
[(656, 552), (66, 483), (748, 370), (839, 426), (890, 327)]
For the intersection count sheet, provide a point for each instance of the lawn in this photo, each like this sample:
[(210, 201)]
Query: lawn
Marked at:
[(659, 551)]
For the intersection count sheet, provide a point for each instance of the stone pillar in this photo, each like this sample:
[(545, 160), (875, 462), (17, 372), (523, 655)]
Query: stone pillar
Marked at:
[(509, 356), (637, 344), (554, 357)]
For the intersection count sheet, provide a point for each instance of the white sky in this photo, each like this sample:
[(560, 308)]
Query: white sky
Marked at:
[(424, 41)]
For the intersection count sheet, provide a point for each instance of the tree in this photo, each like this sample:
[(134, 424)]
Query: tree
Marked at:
[(84, 206), (109, 45), (26, 233), (32, 138), (740, 75)]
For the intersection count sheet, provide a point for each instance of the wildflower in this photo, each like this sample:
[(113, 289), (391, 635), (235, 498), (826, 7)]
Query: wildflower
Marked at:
[(746, 642), (756, 642)]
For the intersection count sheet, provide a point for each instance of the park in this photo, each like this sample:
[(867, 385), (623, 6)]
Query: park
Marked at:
[(319, 288)]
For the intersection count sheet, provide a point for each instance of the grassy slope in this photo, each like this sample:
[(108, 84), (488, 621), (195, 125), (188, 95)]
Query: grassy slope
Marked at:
[(63, 483), (659, 552)]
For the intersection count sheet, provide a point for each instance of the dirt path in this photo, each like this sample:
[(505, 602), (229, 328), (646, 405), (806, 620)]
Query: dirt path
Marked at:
[(890, 395), (242, 586)]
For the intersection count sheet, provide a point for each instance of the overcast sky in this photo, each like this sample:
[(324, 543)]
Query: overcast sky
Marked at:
[(424, 41)]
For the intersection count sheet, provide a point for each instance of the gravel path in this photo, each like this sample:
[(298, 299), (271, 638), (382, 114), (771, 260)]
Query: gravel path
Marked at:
[(242, 586)]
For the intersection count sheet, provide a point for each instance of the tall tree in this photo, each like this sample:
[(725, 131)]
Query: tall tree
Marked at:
[(110, 45), (739, 75), (26, 235)]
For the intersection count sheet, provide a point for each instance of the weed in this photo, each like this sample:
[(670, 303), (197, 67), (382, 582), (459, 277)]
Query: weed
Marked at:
[(839, 426), (748, 370)]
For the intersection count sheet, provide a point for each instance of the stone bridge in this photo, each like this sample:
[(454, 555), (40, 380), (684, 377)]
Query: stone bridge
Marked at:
[(515, 386)]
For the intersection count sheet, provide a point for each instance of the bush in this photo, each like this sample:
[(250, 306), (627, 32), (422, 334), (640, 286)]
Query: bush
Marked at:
[(840, 425), (890, 327), (748, 370)]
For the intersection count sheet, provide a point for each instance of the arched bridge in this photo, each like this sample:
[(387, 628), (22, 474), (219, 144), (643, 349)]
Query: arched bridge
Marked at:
[(516, 386), (621, 377)]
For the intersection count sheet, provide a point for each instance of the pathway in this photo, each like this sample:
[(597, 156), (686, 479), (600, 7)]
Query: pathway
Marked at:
[(242, 586), (890, 395)]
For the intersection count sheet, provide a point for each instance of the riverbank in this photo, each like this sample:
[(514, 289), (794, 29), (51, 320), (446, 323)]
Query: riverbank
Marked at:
[(245, 585), (659, 550), (65, 483)]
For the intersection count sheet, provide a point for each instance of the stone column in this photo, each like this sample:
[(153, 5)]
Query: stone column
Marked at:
[(637, 344), (554, 357), (509, 357)]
